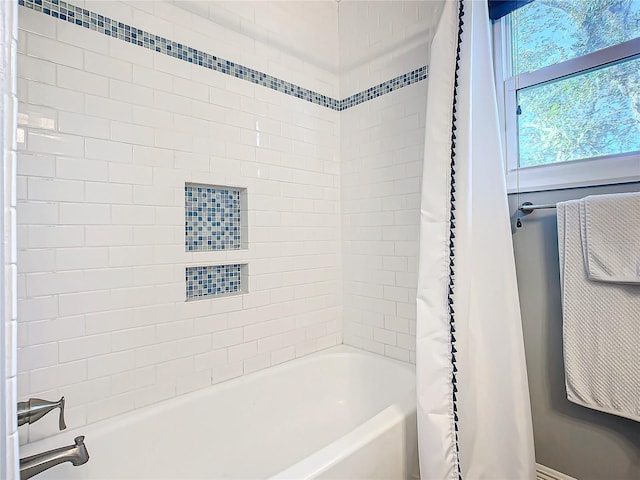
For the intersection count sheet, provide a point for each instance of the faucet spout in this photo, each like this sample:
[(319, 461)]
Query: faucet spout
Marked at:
[(77, 454)]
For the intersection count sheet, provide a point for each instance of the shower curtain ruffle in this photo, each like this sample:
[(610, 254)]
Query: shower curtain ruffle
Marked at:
[(474, 419)]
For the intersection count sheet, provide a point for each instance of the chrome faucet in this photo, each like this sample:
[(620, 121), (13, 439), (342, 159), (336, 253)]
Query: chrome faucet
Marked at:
[(76, 454), (34, 409)]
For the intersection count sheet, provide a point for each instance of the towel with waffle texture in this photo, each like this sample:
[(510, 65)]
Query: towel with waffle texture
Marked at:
[(611, 237), (601, 327)]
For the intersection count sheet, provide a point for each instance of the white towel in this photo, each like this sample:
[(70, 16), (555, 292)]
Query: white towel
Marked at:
[(601, 329), (611, 237)]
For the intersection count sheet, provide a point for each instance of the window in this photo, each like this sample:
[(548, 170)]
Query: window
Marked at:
[(570, 72)]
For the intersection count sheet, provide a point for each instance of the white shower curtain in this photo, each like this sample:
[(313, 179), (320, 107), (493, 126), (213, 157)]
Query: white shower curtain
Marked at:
[(474, 419)]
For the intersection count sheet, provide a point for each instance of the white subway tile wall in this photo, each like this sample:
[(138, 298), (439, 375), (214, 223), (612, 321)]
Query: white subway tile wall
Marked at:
[(382, 149), (383, 39), (9, 324), (112, 133), (382, 157)]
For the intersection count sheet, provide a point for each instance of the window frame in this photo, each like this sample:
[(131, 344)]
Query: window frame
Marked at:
[(602, 170)]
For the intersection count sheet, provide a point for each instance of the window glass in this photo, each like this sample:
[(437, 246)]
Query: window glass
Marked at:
[(546, 32), (586, 115)]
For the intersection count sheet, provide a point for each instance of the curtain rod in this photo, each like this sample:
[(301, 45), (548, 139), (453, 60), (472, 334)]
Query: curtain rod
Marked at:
[(528, 207)]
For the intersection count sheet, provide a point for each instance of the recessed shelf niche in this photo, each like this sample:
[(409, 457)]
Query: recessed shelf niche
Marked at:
[(215, 218), (214, 280)]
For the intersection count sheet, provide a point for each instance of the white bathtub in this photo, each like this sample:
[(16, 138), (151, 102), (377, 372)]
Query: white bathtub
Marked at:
[(340, 413)]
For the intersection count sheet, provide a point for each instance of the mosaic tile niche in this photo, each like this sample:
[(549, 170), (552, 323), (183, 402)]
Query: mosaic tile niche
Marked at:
[(214, 218), (213, 280), (215, 221)]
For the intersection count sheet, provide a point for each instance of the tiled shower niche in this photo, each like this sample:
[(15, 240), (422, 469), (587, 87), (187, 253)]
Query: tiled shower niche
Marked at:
[(215, 222), (214, 218), (214, 280)]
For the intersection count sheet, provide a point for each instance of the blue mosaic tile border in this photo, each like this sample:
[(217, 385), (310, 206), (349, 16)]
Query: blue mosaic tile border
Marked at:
[(212, 280), (384, 88), (93, 21), (212, 218)]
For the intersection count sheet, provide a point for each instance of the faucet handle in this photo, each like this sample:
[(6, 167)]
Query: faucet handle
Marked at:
[(61, 423), (35, 408)]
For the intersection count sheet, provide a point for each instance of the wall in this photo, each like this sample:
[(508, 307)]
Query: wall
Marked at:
[(583, 443), (382, 146), (109, 133), (8, 321)]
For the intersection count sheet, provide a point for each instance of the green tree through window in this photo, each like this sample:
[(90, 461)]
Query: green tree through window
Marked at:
[(590, 113)]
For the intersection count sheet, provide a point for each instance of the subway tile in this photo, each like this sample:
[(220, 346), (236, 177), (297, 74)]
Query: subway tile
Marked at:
[(133, 215), (84, 214), (37, 69), (108, 150), (154, 157), (133, 134), (54, 97), (173, 140), (81, 81), (56, 52), (43, 284), (107, 108), (130, 93), (83, 125), (189, 88), (107, 66), (130, 174), (282, 355), (121, 256), (149, 77), (110, 407), (164, 352), (55, 143), (55, 189), (55, 329), (80, 169), (226, 372), (156, 275), (71, 34), (171, 370), (175, 330), (211, 359), (56, 376), (132, 379), (152, 117), (108, 193), (39, 308), (397, 353), (37, 213), (39, 117), (84, 347), (94, 389), (156, 196), (37, 356), (242, 351), (157, 235), (130, 338), (259, 362), (81, 258), (52, 236), (32, 21), (227, 338), (407, 341), (131, 53), (41, 260), (193, 381)]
